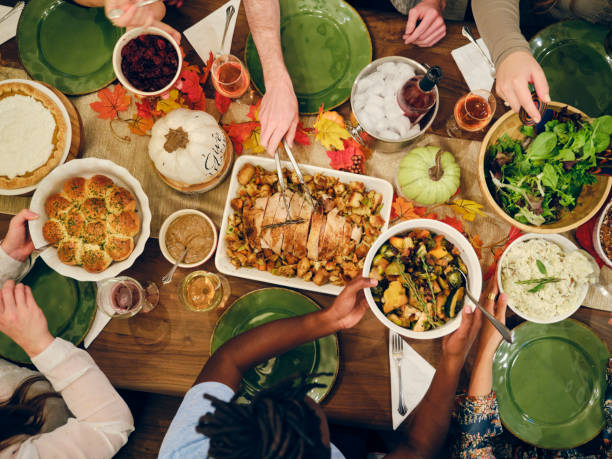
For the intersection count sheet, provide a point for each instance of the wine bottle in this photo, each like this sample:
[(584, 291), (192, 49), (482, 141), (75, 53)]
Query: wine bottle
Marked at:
[(417, 95)]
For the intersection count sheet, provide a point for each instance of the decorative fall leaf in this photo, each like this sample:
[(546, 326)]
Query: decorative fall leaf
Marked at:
[(454, 222), (206, 69), (239, 133), (477, 244), (190, 67), (330, 134), (222, 103), (467, 209), (171, 102), (111, 102), (403, 209), (491, 270), (254, 111), (253, 142), (189, 84), (140, 126), (341, 159), (182, 51), (301, 134), (145, 110)]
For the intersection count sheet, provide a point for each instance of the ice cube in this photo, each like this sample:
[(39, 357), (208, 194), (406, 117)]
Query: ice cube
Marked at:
[(401, 124), (388, 134), (405, 70), (388, 69), (360, 101), (368, 81), (414, 130), (392, 109)]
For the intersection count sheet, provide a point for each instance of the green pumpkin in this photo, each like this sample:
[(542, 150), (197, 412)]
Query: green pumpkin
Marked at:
[(428, 175)]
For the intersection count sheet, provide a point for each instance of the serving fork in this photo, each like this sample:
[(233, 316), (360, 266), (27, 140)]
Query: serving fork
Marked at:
[(281, 178), (397, 352)]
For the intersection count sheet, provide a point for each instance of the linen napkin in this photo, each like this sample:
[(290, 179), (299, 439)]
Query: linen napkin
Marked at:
[(417, 374), (205, 36), (473, 66), (8, 27), (98, 324)]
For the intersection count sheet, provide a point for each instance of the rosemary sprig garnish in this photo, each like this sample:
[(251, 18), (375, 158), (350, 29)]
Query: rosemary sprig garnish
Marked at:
[(285, 223), (428, 278), (539, 283), (412, 286)]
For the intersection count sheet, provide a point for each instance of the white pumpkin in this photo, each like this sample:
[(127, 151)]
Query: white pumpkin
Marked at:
[(189, 149)]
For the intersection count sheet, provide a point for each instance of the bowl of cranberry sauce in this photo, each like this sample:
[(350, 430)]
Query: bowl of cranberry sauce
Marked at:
[(147, 61)]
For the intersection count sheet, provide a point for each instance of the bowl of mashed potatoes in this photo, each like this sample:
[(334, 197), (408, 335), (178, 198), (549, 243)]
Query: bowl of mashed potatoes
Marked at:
[(190, 229), (545, 277)]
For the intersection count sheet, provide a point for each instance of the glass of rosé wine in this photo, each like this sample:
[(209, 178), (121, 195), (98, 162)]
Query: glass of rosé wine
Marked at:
[(124, 297), (230, 76), (472, 113)]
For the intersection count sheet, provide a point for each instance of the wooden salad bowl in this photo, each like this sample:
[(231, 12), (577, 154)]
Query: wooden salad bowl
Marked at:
[(592, 198)]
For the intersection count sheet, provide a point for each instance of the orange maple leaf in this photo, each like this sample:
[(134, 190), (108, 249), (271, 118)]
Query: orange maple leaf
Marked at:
[(254, 111), (239, 133), (111, 102), (477, 244), (404, 209), (140, 126), (206, 69)]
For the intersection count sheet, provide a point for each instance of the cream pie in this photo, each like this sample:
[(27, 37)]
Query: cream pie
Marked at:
[(32, 134)]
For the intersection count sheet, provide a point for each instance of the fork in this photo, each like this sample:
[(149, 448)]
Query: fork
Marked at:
[(397, 352)]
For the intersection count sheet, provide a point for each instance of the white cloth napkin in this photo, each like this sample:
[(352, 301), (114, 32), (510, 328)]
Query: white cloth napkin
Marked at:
[(8, 27), (417, 374), (205, 36), (97, 326), (473, 66)]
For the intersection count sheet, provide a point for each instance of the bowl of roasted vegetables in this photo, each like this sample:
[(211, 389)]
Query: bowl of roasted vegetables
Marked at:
[(421, 291), (544, 181)]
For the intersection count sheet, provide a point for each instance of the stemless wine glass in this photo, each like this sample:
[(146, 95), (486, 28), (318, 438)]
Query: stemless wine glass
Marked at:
[(202, 291), (472, 112), (230, 76), (123, 297)]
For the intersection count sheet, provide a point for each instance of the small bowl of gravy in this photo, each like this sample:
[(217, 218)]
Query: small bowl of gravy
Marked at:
[(191, 229)]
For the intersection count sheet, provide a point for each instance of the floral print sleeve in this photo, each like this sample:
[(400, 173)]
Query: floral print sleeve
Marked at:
[(477, 423)]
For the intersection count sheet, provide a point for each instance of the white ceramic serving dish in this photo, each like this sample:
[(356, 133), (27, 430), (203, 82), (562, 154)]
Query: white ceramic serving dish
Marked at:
[(88, 167), (128, 36), (60, 105), (467, 254), (596, 240), (562, 242), (222, 261), (164, 228)]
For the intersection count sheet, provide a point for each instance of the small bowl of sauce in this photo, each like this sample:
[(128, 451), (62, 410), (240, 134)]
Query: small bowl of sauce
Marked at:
[(191, 229)]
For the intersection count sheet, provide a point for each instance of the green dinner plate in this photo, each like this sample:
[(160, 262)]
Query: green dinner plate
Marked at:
[(551, 384), (66, 45), (68, 305), (263, 306), (325, 45), (577, 67)]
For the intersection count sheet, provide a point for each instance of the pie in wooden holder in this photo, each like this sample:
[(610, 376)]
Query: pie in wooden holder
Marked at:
[(35, 134)]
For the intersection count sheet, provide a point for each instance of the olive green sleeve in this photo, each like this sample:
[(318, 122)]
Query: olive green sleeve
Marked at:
[(498, 24)]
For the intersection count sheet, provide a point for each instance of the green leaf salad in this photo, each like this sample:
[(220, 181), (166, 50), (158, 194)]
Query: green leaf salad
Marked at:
[(535, 178)]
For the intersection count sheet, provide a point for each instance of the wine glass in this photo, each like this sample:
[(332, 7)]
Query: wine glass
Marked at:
[(230, 76), (202, 291), (473, 112), (123, 297)]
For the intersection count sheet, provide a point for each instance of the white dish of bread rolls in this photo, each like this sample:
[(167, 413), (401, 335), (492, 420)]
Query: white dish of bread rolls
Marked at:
[(96, 216)]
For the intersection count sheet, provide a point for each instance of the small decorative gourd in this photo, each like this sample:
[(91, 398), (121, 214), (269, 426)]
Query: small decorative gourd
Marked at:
[(190, 151), (428, 175)]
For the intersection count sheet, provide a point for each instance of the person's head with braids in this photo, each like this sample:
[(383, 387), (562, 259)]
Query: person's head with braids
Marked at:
[(280, 422)]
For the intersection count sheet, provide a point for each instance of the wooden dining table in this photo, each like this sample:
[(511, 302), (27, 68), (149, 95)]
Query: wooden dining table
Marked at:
[(163, 351)]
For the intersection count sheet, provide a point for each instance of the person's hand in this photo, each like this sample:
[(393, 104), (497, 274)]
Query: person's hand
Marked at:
[(22, 320), (278, 112), (489, 336), (350, 306), (514, 74), (146, 16), (431, 29), (456, 346), (17, 244)]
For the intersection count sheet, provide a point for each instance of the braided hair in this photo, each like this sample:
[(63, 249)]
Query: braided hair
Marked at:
[(276, 424)]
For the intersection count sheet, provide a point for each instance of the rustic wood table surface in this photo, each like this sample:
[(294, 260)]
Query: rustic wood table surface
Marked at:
[(163, 351)]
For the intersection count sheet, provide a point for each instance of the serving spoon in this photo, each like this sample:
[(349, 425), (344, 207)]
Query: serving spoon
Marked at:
[(168, 277), (506, 333)]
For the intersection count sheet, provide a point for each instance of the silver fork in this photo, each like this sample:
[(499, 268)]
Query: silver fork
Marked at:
[(397, 352)]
